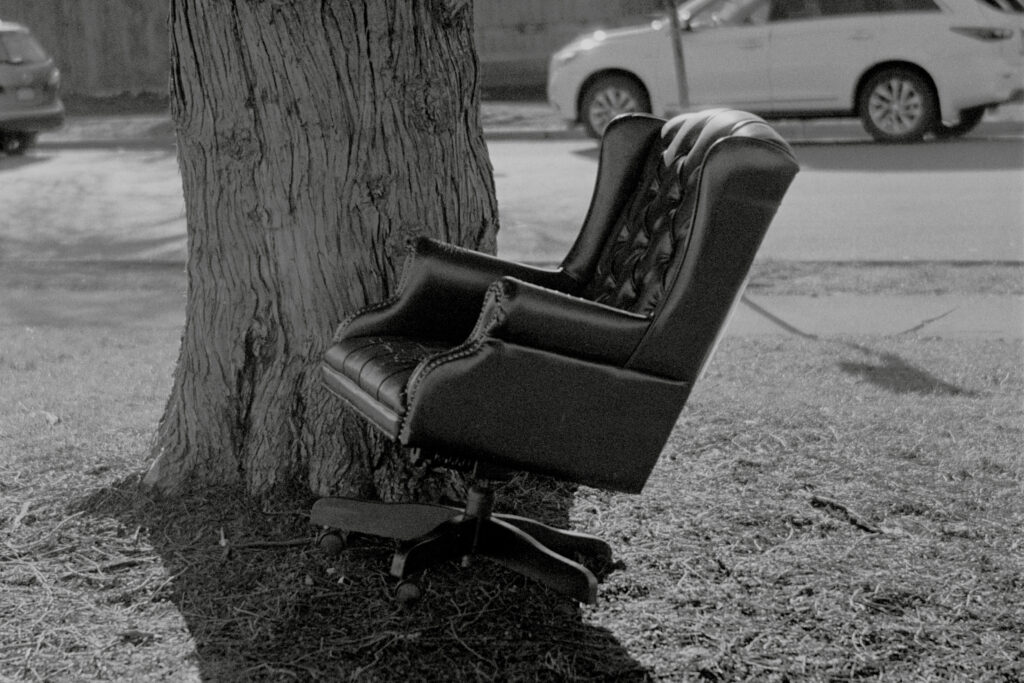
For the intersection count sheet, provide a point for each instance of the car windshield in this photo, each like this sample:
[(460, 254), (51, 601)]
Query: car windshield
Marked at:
[(19, 47)]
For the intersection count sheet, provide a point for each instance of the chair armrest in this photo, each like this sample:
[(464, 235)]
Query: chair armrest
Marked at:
[(532, 316), (441, 291)]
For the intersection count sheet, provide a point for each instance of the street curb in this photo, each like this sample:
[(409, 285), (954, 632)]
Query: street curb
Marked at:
[(501, 120), (137, 144), (886, 315), (165, 142), (537, 135)]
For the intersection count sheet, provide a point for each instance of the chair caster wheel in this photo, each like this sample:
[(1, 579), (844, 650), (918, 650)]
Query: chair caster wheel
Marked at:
[(408, 593), (600, 563), (331, 543)]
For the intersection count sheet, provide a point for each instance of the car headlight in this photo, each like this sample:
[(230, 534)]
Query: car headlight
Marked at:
[(564, 56), (54, 80), (574, 50)]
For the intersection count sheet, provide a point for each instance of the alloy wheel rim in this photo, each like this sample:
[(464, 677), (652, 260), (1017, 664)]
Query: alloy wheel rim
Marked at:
[(896, 106), (608, 104)]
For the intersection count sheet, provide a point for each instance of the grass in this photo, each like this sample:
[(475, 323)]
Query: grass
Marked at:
[(837, 509)]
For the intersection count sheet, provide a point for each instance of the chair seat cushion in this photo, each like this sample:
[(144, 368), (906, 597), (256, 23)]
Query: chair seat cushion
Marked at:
[(376, 370)]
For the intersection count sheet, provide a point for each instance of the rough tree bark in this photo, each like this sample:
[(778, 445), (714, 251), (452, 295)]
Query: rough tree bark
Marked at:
[(314, 138)]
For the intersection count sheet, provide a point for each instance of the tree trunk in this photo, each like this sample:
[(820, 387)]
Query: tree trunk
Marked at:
[(314, 138)]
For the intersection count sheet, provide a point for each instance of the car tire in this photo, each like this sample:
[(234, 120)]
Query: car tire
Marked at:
[(969, 120), (16, 144), (898, 105), (607, 97)]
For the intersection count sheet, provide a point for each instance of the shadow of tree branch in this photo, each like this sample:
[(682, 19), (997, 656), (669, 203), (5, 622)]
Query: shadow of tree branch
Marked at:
[(894, 374)]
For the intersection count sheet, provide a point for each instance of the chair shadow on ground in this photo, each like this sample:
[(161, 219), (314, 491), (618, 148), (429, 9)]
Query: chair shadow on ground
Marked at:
[(13, 163), (262, 602), (926, 157)]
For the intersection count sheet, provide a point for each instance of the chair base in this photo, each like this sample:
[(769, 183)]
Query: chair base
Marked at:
[(433, 534)]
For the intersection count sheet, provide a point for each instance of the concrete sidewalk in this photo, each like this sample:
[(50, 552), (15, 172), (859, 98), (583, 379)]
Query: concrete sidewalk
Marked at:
[(942, 315), (807, 316)]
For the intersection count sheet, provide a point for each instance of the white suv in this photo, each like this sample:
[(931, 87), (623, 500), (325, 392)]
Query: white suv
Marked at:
[(905, 67)]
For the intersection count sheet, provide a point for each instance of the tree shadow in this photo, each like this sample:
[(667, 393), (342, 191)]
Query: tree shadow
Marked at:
[(157, 143), (949, 155), (164, 242), (894, 374), (13, 163), (93, 294), (861, 155), (85, 309), (589, 152), (262, 602)]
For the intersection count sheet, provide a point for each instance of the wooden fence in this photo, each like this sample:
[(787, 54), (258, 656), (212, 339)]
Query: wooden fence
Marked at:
[(101, 46), (106, 47)]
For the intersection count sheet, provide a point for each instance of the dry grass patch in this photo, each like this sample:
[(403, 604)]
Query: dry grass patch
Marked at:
[(816, 523), (841, 509)]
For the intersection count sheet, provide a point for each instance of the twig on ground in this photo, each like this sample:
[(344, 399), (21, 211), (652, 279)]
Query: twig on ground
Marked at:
[(840, 511), (109, 566), (16, 522), (270, 544)]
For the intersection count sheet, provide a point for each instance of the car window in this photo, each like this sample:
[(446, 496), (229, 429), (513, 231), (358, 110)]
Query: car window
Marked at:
[(905, 6), (835, 8), (18, 47), (731, 13), (790, 10)]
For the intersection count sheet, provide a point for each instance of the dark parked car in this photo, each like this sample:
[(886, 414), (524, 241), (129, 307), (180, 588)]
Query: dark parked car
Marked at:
[(29, 89)]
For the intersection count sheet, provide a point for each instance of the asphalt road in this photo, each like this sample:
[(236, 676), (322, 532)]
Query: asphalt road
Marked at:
[(961, 200), (852, 202)]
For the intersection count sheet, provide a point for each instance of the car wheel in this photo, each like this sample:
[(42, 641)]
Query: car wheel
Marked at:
[(969, 120), (609, 96), (16, 143), (898, 105)]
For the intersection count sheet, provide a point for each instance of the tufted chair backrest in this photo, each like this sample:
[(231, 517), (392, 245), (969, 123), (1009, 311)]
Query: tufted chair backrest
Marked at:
[(653, 225), (686, 208)]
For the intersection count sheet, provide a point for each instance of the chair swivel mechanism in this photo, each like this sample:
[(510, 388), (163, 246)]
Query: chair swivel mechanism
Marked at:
[(577, 372)]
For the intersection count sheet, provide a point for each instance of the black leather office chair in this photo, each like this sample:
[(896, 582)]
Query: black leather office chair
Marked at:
[(578, 372)]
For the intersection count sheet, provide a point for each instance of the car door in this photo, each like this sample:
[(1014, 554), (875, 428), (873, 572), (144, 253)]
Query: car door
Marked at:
[(817, 51), (725, 50)]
